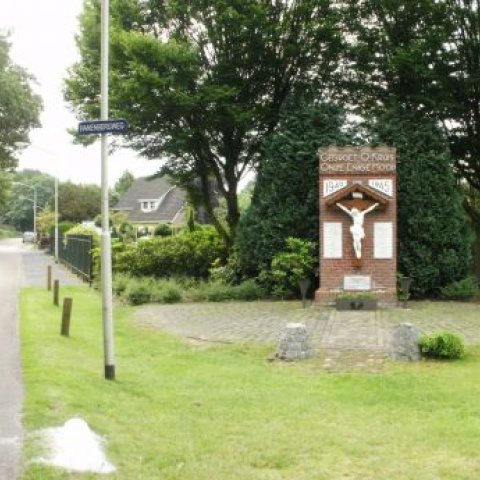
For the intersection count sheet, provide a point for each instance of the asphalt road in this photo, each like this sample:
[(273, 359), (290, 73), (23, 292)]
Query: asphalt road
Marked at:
[(11, 394)]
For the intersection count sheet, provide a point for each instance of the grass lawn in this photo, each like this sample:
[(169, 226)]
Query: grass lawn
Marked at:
[(178, 411)]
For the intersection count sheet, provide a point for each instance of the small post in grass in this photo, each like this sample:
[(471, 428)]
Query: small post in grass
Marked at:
[(56, 288), (304, 283), (49, 277), (405, 283), (66, 315)]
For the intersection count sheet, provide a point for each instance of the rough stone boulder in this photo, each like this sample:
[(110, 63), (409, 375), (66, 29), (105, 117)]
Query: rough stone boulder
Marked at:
[(404, 343), (294, 343)]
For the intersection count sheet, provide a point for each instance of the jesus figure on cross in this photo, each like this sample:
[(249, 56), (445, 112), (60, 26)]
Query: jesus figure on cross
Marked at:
[(357, 231)]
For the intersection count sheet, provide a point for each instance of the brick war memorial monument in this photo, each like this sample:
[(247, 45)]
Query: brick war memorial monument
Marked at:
[(358, 222)]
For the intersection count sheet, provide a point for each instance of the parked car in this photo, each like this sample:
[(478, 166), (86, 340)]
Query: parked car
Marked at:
[(28, 237)]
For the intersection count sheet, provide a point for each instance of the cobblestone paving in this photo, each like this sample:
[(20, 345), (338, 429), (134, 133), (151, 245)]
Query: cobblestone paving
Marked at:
[(343, 341), (252, 322)]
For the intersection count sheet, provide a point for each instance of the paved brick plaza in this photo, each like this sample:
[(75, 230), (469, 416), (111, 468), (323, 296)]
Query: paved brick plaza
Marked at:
[(349, 338)]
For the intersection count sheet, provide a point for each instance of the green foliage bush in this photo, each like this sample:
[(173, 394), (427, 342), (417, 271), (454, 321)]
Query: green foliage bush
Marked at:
[(218, 291), (460, 290), (140, 290), (7, 231), (187, 254), (162, 230), (165, 291), (443, 345), (230, 273), (83, 230), (138, 293), (62, 228), (289, 267)]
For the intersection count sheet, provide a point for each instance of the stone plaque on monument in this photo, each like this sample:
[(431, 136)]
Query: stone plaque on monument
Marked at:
[(384, 185), (382, 240), (357, 282), (332, 240), (332, 186)]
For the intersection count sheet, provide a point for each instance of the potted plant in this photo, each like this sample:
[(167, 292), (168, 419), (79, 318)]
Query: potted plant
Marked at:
[(356, 301)]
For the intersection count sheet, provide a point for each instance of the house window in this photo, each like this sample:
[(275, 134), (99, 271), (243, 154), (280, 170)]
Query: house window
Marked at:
[(148, 205)]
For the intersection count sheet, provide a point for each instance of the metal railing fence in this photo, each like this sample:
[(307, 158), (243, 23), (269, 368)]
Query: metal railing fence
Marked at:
[(76, 252)]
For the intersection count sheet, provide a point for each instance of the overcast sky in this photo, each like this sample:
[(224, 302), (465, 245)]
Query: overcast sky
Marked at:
[(42, 38)]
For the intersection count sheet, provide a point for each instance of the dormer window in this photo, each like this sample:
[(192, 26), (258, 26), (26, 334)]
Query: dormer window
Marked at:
[(148, 205)]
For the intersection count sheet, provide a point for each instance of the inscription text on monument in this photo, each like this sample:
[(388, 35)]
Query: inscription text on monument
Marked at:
[(357, 160)]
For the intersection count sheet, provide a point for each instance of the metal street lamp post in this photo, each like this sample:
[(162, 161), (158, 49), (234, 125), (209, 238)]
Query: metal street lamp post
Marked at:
[(106, 257), (34, 188)]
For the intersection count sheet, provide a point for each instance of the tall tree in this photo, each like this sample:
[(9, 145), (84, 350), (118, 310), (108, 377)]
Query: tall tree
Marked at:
[(19, 112), (77, 203), (20, 199), (423, 55), (396, 53), (285, 199), (434, 237), (121, 186), (202, 82), (461, 88)]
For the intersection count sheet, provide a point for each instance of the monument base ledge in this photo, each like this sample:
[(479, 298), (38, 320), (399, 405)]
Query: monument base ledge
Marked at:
[(326, 296)]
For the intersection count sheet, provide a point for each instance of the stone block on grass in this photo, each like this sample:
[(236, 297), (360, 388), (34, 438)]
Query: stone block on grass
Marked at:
[(294, 343), (404, 343)]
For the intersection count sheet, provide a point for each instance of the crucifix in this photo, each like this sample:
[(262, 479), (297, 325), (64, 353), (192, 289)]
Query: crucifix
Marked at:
[(356, 229)]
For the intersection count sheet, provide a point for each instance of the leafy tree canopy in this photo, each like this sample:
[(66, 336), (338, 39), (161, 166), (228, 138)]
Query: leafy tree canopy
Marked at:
[(19, 106), (77, 203), (121, 186), (19, 112), (423, 55), (20, 197), (396, 51), (202, 83)]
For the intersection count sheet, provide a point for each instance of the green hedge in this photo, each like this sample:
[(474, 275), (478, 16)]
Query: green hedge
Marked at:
[(189, 254)]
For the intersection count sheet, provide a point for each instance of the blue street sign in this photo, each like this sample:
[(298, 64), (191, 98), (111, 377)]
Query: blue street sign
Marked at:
[(103, 126)]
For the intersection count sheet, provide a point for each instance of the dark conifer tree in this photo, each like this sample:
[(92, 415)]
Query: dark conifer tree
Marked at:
[(285, 199), (434, 238)]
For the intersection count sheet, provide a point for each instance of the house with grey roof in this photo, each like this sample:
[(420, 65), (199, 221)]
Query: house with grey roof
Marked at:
[(150, 201)]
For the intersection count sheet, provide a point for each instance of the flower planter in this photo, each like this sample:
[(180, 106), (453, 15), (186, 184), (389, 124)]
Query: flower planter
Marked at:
[(356, 303)]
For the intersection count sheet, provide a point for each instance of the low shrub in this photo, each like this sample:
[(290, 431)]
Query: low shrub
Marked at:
[(443, 345), (289, 267), (140, 290), (137, 293), (6, 231), (231, 272), (120, 283), (165, 291), (188, 254), (83, 230), (460, 290), (162, 230), (248, 291), (218, 291)]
